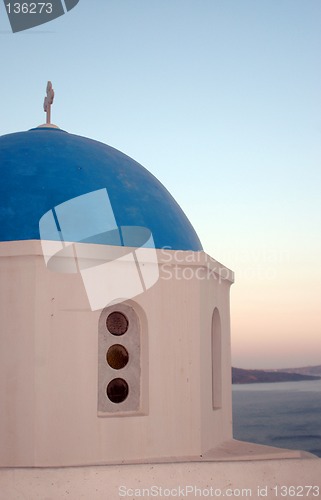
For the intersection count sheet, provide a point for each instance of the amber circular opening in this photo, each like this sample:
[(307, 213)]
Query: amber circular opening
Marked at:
[(117, 356), (117, 390), (117, 323)]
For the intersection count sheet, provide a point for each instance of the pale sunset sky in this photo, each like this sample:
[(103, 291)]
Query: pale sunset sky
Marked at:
[(221, 101)]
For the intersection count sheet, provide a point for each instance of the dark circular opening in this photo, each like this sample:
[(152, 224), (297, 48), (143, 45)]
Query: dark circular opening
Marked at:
[(117, 390), (117, 356), (117, 323)]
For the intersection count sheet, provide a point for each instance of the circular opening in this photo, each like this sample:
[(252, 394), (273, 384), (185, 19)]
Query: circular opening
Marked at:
[(117, 390), (117, 356), (117, 323)]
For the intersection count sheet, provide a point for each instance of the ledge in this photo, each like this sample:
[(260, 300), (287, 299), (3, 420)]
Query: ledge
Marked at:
[(173, 480), (98, 254)]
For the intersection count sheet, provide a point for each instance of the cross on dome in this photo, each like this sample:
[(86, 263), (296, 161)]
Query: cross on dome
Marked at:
[(48, 101)]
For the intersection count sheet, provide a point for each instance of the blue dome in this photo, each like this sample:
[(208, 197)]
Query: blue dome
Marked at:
[(45, 169)]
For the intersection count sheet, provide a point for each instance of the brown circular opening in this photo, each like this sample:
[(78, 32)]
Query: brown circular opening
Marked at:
[(117, 356), (117, 390), (117, 323)]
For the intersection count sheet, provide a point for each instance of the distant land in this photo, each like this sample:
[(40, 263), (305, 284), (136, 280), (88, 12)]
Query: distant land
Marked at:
[(305, 370), (242, 376)]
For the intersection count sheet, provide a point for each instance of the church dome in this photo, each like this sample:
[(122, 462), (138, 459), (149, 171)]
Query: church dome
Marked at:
[(44, 168)]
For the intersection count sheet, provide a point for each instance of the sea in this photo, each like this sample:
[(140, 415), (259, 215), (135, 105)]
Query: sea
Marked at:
[(281, 414)]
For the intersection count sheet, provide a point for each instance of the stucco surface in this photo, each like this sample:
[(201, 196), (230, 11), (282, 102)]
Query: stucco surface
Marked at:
[(248, 479)]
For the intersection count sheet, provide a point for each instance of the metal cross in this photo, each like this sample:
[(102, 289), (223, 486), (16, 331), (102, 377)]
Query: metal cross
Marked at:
[(48, 101)]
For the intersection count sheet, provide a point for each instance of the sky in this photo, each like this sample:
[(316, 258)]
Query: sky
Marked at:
[(221, 101)]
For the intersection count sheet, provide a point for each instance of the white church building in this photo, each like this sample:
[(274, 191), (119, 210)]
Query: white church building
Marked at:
[(115, 367)]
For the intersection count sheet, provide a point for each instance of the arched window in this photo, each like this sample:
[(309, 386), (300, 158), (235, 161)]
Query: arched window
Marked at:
[(119, 360), (216, 360)]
